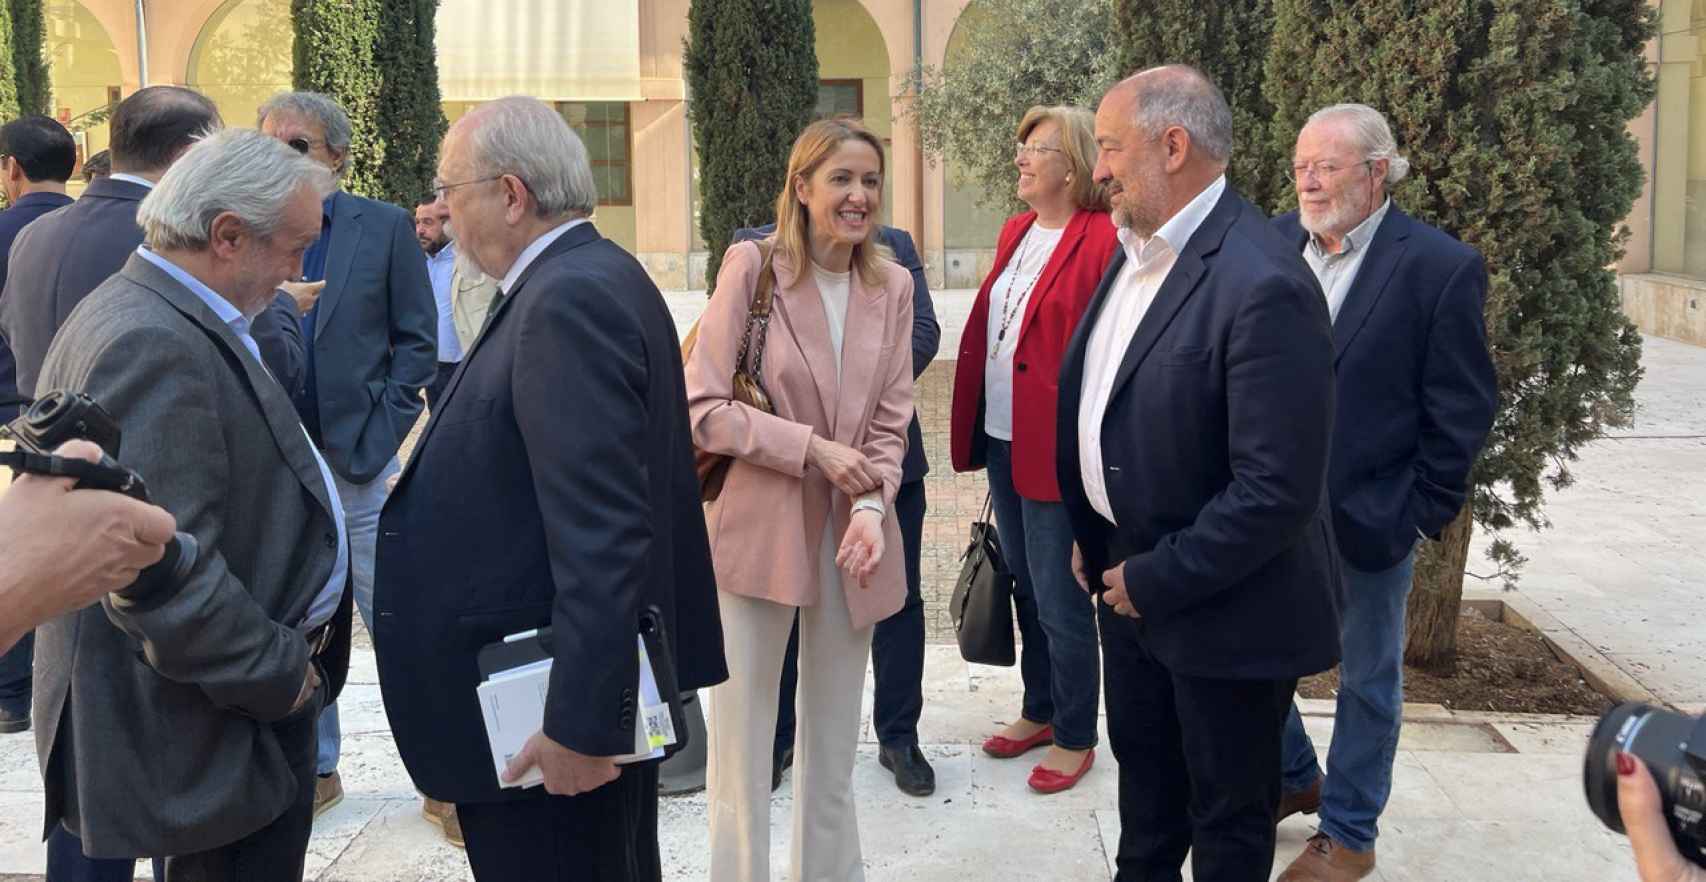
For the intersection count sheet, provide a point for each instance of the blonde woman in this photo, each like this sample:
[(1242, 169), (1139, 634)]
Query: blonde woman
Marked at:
[(805, 519)]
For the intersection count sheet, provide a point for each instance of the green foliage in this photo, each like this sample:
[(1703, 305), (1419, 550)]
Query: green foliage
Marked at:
[(1227, 41), (411, 114), (1513, 115), (1007, 57), (751, 69), (335, 54), (8, 83), (29, 63)]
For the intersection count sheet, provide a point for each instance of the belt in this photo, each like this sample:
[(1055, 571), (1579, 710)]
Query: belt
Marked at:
[(318, 639)]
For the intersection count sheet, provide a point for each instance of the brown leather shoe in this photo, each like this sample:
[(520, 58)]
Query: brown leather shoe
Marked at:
[(328, 791), (1306, 801), (1324, 860), (444, 815)]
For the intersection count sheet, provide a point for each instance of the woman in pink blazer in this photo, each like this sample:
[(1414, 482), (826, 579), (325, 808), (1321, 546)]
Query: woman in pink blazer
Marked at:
[(805, 517)]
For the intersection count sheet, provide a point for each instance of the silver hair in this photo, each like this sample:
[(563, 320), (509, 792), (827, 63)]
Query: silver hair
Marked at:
[(524, 137), (318, 108), (1180, 95), (232, 170), (1372, 133)]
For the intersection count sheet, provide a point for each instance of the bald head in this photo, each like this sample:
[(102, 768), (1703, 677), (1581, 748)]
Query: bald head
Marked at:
[(1162, 137), (1178, 95)]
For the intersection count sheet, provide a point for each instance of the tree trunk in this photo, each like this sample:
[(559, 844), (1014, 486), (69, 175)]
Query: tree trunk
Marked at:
[(1436, 598)]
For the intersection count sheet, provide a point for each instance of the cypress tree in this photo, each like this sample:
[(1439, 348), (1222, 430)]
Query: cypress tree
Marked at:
[(8, 82), (1227, 40), (410, 113), (28, 61), (335, 55), (1513, 115), (751, 70)]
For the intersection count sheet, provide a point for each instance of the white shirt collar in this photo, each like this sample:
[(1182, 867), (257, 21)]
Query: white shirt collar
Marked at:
[(134, 179), (532, 252), (1178, 230)]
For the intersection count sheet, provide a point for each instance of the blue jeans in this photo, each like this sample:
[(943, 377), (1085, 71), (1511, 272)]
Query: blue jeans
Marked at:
[(1057, 621), (15, 668), (1369, 712), (362, 504)]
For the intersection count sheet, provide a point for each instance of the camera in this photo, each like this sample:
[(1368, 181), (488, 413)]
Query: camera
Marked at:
[(59, 417), (1674, 747)]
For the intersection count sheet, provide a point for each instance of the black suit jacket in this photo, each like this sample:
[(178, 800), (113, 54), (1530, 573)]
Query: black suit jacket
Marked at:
[(926, 333), (56, 261), (554, 485), (1416, 388), (1214, 449)]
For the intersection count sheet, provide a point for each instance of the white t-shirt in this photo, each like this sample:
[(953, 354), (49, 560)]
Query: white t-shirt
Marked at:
[(833, 289), (1009, 297)]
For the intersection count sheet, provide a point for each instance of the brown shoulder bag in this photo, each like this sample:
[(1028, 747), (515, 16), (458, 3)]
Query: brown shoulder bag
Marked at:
[(713, 468)]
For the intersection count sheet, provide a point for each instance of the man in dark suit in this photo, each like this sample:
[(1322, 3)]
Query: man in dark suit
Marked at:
[(36, 158), (564, 440), (1416, 398), (1196, 407), (370, 348), (897, 648), (177, 718)]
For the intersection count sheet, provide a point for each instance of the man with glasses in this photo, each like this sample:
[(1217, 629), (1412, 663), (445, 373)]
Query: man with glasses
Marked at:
[(369, 330), (1416, 398)]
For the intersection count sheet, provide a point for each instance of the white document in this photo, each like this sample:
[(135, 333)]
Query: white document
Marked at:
[(512, 702)]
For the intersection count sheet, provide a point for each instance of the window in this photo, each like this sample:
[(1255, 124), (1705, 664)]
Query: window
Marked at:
[(840, 98), (604, 127)]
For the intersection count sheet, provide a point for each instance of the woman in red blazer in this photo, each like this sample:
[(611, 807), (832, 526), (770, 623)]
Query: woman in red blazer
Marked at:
[(1048, 263)]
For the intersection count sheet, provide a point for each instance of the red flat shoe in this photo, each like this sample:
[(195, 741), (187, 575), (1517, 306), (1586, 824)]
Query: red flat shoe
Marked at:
[(1002, 747), (1050, 781)]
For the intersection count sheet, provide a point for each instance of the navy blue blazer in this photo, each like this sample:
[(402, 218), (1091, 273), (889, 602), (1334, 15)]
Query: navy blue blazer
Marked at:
[(1214, 449), (12, 221), (553, 485), (1417, 391), (926, 333)]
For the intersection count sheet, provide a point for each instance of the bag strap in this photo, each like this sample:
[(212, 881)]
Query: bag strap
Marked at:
[(988, 508), (758, 314)]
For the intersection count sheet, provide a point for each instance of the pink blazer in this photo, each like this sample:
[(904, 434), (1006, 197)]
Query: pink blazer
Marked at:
[(767, 527)]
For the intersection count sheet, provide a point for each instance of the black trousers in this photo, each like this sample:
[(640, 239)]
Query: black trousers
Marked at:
[(1199, 762), (897, 647), (608, 835)]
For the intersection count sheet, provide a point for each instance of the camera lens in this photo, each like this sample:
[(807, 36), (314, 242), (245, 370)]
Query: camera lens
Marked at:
[(1674, 748)]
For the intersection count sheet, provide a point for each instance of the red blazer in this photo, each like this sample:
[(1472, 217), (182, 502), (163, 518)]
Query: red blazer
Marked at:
[(1061, 295)]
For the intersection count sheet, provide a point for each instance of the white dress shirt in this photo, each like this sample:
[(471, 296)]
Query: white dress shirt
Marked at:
[(1147, 265), (1337, 272), (1009, 297), (325, 603), (134, 179), (440, 268), (532, 252)]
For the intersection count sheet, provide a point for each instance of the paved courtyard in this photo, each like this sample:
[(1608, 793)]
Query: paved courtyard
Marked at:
[(1477, 796)]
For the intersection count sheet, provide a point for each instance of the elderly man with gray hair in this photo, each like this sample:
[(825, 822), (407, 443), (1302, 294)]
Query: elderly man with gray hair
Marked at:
[(1416, 398), (553, 487), (1195, 411), (180, 723)]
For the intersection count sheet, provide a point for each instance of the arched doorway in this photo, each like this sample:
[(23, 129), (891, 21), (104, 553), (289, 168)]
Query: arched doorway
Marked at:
[(243, 57), (83, 73), (968, 228)]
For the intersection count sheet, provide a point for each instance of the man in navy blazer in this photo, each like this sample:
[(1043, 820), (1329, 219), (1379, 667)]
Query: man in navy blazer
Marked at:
[(897, 647), (1417, 396), (553, 485), (1195, 414), (369, 345)]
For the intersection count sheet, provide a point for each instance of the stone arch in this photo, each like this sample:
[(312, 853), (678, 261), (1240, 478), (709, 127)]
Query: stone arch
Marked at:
[(85, 67), (242, 56)]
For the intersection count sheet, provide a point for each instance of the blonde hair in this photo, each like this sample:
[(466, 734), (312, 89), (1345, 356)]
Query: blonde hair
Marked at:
[(793, 225), (1078, 144)]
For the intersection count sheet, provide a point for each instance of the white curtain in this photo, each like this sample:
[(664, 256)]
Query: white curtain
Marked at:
[(554, 50)]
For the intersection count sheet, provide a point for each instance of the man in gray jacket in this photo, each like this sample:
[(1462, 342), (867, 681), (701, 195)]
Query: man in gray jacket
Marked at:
[(178, 719)]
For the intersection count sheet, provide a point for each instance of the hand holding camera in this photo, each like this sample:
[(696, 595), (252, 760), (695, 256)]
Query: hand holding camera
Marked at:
[(1646, 777)]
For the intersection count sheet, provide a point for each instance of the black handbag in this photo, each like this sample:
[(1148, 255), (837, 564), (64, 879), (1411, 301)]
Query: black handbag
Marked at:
[(982, 603)]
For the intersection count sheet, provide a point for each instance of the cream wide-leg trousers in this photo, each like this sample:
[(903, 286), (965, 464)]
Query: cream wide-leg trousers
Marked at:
[(743, 731)]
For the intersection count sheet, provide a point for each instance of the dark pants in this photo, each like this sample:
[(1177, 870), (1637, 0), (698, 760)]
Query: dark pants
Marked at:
[(897, 647), (277, 851), (1199, 763), (15, 667), (610, 834), (440, 380)]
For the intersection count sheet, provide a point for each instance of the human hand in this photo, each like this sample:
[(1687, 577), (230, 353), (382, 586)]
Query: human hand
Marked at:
[(1115, 596), (567, 773), (1656, 856), (304, 293), (310, 682), (1078, 568), (862, 546), (846, 468), (67, 548)]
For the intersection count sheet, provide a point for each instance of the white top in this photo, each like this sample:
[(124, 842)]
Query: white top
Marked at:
[(1147, 264), (440, 269), (1009, 297), (1337, 272), (532, 252), (833, 289), (134, 179)]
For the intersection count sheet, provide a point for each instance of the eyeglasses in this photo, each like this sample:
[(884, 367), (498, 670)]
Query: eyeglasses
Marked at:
[(303, 145), (440, 188), (1033, 150), (1321, 171)]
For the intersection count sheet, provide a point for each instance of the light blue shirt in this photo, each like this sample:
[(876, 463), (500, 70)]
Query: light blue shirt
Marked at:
[(440, 268), (325, 603)]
